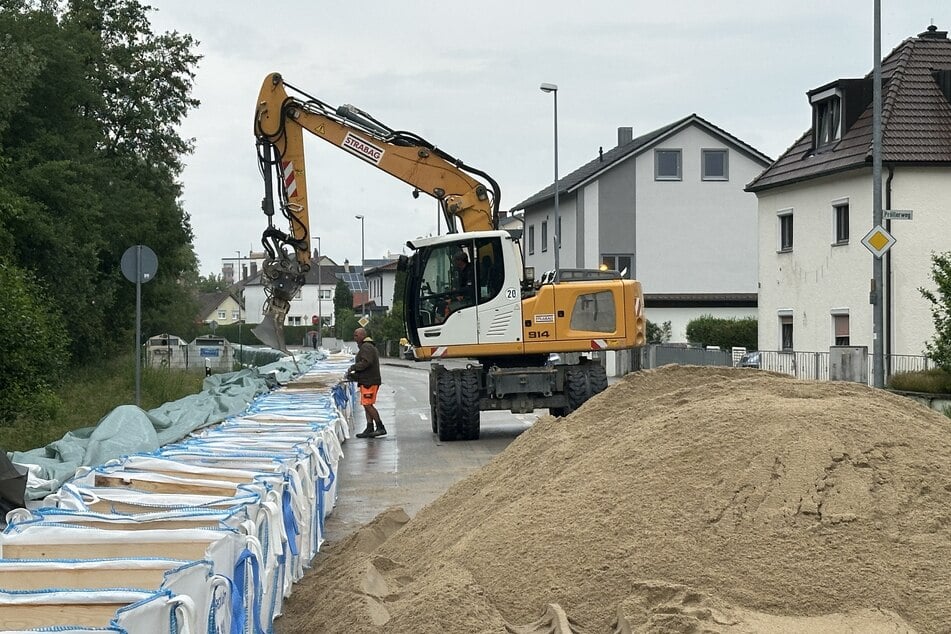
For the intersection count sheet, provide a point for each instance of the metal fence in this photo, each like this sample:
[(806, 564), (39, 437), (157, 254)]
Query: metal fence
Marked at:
[(802, 365)]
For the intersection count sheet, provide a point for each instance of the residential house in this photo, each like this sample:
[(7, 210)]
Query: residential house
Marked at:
[(667, 208), (815, 206), (381, 283), (222, 307), (305, 308), (314, 301)]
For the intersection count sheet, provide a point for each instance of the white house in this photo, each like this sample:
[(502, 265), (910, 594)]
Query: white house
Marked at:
[(381, 282), (305, 307), (815, 207), (667, 208)]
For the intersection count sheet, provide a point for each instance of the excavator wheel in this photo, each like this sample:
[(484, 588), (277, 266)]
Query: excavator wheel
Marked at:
[(457, 404), (581, 383), (598, 378), (433, 396)]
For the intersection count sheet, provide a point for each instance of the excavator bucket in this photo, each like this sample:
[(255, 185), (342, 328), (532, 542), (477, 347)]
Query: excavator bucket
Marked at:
[(270, 332)]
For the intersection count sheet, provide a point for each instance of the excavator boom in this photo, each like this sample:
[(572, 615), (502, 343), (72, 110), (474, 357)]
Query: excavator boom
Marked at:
[(279, 122)]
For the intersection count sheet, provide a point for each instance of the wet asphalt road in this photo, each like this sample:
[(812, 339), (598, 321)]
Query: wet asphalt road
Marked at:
[(409, 467)]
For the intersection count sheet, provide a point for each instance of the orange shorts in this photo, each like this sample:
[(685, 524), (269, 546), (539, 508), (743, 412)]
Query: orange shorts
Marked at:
[(368, 394)]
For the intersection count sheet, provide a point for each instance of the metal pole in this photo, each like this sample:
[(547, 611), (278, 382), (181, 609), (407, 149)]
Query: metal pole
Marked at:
[(138, 325), (878, 356), (363, 259), (552, 88), (320, 299), (557, 215)]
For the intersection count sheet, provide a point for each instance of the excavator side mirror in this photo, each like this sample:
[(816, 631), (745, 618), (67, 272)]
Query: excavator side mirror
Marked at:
[(402, 263)]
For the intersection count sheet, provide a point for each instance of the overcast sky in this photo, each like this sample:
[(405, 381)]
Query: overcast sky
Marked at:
[(465, 76)]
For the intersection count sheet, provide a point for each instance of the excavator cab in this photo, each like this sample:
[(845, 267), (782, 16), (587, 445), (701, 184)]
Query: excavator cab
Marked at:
[(464, 290)]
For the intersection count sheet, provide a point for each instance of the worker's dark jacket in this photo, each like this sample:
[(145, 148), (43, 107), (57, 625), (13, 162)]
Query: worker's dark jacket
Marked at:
[(366, 369)]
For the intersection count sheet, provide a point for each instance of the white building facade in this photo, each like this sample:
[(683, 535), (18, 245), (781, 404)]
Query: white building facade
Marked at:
[(667, 208), (815, 207)]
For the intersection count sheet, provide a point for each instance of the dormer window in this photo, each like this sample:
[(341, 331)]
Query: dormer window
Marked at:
[(826, 117)]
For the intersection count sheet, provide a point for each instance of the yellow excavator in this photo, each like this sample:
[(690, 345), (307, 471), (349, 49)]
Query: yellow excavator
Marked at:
[(468, 294)]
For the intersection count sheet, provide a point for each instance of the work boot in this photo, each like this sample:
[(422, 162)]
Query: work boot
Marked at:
[(368, 432), (380, 431)]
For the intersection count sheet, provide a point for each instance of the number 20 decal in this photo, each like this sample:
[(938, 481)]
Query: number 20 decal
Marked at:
[(511, 293)]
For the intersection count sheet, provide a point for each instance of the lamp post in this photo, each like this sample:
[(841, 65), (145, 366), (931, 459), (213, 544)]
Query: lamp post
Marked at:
[(363, 297), (553, 89), (320, 299)]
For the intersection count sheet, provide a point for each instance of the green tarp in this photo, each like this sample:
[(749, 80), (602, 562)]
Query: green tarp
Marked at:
[(128, 429)]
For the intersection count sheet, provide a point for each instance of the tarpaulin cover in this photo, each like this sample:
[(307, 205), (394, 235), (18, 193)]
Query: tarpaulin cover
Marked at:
[(128, 429)]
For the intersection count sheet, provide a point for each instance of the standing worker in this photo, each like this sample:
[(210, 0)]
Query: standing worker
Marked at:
[(366, 372)]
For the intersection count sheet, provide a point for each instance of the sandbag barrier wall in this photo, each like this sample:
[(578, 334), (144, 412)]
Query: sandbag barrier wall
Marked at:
[(205, 535)]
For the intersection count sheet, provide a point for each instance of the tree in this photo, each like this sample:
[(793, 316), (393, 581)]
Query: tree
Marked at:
[(658, 334), (344, 320), (939, 348), (89, 158), (210, 284)]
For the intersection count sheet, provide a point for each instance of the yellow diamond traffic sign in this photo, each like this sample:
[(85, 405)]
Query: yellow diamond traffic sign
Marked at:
[(363, 321), (878, 241)]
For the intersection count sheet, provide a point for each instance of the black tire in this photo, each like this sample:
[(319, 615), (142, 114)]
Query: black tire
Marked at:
[(457, 405), (598, 377), (577, 386), (433, 396), (581, 383)]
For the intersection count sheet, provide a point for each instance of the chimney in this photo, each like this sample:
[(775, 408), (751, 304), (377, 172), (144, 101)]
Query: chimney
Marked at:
[(346, 266), (624, 135), (601, 154), (933, 34)]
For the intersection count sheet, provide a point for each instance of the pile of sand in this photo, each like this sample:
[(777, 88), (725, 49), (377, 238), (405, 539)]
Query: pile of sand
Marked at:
[(681, 499)]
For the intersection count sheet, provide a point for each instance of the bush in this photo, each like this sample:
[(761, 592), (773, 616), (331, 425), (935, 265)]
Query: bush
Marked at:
[(939, 348), (708, 330), (934, 381), (33, 346)]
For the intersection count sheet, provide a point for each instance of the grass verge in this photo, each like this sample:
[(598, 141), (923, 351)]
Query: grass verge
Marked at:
[(89, 394)]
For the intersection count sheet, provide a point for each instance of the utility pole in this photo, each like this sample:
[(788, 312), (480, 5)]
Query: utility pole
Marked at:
[(878, 308)]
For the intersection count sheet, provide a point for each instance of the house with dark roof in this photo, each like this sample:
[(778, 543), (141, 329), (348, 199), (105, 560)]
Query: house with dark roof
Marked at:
[(314, 302), (667, 208), (815, 206), (222, 307)]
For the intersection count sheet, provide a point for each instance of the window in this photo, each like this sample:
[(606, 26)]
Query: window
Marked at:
[(714, 165), (785, 230), (621, 263), (236, 315), (531, 239), (840, 329), (325, 293), (594, 312), (786, 333), (827, 123), (667, 165), (840, 212), (544, 235), (222, 314)]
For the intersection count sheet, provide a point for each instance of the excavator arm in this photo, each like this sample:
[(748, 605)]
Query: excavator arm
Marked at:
[(465, 194)]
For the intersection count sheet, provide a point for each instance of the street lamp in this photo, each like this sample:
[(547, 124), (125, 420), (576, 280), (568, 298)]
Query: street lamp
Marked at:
[(320, 299), (363, 257), (552, 88)]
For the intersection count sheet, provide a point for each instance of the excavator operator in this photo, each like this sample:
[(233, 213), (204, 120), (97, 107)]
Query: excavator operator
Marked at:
[(463, 283)]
